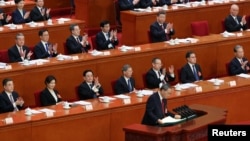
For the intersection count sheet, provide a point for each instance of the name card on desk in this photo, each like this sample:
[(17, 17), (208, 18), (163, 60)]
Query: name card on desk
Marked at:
[(8, 120), (210, 3), (126, 101), (40, 24), (232, 83), (137, 48), (239, 34), (88, 107), (49, 114), (106, 53), (8, 67), (19, 26), (198, 89), (39, 63), (75, 57)]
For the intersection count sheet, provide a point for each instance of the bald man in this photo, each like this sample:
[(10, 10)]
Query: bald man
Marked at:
[(233, 22)]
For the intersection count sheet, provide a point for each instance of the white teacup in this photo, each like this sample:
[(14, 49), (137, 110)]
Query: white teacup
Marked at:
[(26, 62), (49, 22), (139, 95), (106, 99)]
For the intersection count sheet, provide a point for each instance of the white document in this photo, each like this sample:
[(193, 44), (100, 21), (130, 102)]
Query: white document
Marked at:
[(145, 92), (186, 85), (45, 110), (96, 52), (170, 119), (64, 19), (107, 97), (244, 75), (126, 47), (3, 65), (35, 111), (122, 96), (82, 103), (213, 80)]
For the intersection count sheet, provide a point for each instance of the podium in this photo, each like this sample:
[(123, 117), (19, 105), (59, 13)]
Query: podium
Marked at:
[(191, 130)]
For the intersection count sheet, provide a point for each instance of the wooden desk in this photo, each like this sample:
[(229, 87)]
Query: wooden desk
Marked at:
[(107, 120), (193, 130), (136, 24), (94, 11), (58, 34), (219, 50), (10, 7)]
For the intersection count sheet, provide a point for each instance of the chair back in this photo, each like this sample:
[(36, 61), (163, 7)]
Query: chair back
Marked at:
[(93, 41), (65, 49), (4, 57), (37, 98), (149, 37), (76, 93), (200, 28)]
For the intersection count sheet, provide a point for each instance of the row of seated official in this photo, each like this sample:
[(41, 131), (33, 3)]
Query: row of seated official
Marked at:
[(156, 77), (75, 43), (162, 31), (20, 15)]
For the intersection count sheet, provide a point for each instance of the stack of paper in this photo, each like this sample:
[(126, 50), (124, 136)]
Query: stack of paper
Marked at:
[(170, 119), (122, 96), (244, 75), (46, 110), (145, 92), (213, 80), (82, 103), (186, 85)]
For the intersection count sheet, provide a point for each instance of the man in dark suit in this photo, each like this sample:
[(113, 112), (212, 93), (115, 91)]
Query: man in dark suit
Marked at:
[(128, 4), (4, 18), (19, 51), (39, 12), (191, 72), (239, 64), (106, 39), (160, 30), (9, 99), (234, 22), (76, 43), (157, 76), (90, 87), (44, 49), (20, 16), (126, 83), (156, 107)]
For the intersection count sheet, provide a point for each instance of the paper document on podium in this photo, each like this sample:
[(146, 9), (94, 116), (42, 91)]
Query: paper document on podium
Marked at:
[(170, 120)]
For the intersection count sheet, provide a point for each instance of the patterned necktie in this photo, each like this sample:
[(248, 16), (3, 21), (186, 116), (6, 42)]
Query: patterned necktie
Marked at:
[(195, 73), (129, 86), (12, 102), (235, 18)]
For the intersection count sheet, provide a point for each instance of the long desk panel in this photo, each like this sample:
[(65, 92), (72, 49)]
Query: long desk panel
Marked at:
[(58, 34), (136, 24), (106, 120), (213, 52)]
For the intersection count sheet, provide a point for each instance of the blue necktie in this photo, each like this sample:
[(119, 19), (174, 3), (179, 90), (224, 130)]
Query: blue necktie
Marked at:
[(47, 47), (195, 73), (129, 86)]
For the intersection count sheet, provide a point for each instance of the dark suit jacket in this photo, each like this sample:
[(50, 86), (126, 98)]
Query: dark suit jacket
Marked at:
[(154, 110), (47, 99), (152, 81), (14, 55), (145, 3), (17, 18), (40, 51), (121, 86), (235, 66), (74, 47), (158, 34), (35, 15), (187, 75), (126, 5), (5, 103), (3, 21), (232, 26), (85, 92), (102, 43)]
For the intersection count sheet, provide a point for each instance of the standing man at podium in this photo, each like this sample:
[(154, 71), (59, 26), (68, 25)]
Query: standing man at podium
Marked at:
[(157, 76), (39, 12), (191, 72), (156, 107), (160, 30), (234, 22), (239, 64)]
